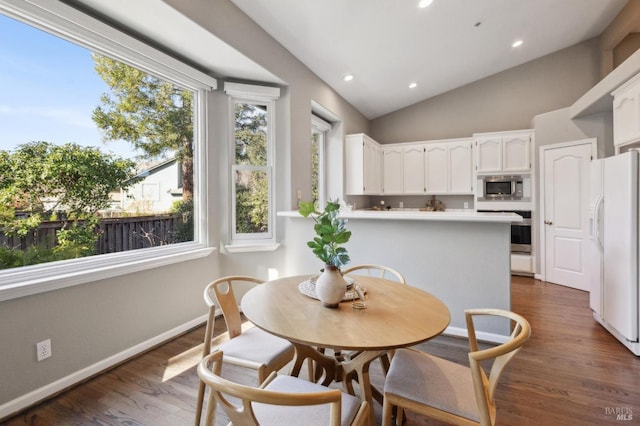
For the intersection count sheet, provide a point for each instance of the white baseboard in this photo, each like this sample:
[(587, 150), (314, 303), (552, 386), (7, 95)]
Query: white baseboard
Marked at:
[(480, 335), (538, 277), (44, 392)]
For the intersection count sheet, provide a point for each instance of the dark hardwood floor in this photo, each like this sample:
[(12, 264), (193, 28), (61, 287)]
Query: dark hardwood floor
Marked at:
[(571, 372)]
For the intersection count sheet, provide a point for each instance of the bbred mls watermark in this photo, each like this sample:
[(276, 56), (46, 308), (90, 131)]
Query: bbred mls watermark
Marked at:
[(620, 413)]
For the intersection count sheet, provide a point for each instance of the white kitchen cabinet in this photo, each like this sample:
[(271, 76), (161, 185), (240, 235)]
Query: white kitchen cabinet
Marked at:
[(392, 169), (626, 113), (448, 167), (363, 165), (436, 158), (516, 152), (489, 154), (461, 167), (503, 152), (413, 169)]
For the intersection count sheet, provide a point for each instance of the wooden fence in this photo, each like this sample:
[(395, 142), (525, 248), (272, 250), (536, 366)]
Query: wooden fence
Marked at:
[(116, 234)]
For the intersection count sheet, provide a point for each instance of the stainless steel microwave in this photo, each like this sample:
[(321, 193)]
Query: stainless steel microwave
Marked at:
[(504, 188)]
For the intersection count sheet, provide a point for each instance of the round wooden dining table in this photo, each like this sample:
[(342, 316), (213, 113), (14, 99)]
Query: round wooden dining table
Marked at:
[(394, 316)]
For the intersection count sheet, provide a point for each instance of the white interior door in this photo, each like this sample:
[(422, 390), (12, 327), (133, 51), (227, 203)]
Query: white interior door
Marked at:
[(566, 214)]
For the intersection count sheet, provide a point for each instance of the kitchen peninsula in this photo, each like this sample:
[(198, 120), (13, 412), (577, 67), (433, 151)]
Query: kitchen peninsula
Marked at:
[(461, 257)]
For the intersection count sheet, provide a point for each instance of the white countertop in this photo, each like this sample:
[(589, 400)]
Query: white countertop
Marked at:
[(416, 214)]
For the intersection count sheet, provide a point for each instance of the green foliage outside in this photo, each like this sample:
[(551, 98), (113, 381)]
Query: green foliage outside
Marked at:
[(331, 233), (40, 179), (251, 184), (154, 115), (184, 230), (315, 169)]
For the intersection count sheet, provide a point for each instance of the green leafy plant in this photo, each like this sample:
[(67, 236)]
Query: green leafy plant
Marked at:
[(331, 233)]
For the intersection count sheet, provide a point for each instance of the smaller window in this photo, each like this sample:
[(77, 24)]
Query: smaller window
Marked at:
[(319, 130), (252, 163)]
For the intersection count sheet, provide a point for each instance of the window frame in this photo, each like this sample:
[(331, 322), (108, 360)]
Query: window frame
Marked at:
[(239, 93), (322, 128), (63, 21)]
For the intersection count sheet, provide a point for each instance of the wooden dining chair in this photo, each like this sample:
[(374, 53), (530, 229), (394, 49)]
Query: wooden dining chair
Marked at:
[(379, 271), (447, 391), (280, 401), (251, 348)]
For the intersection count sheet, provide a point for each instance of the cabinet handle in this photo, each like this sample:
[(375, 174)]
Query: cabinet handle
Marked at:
[(548, 222)]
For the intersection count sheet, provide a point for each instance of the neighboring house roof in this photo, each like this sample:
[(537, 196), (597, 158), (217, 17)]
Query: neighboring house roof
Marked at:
[(149, 168)]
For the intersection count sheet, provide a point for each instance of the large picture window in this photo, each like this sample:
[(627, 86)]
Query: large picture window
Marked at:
[(252, 163), (99, 156)]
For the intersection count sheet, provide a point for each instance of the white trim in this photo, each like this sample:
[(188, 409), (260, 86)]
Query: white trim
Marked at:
[(482, 336), (319, 124), (251, 91), (248, 248), (64, 21), (255, 98), (29, 280), (78, 376)]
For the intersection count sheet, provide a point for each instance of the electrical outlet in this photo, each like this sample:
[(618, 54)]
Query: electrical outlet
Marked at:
[(466, 204), (43, 349), (401, 204)]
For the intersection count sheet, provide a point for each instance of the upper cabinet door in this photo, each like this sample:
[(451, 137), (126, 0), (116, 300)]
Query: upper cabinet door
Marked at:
[(461, 167), (363, 165), (489, 154), (436, 168), (413, 171), (372, 167), (515, 153), (392, 173), (626, 113)]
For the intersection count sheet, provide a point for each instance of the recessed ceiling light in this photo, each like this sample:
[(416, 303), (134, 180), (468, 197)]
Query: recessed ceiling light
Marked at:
[(413, 85), (424, 3), (348, 77), (517, 43)]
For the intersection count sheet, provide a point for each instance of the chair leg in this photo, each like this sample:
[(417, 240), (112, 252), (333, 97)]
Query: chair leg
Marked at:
[(387, 411), (399, 416), (201, 388), (386, 363)]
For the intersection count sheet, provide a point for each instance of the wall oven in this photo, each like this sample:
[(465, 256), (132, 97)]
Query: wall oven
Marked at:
[(521, 232)]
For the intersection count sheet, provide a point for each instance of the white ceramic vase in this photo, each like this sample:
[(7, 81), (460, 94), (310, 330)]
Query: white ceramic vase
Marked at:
[(330, 287)]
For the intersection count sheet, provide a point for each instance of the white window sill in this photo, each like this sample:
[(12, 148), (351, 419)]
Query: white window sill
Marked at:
[(247, 248), (29, 280)]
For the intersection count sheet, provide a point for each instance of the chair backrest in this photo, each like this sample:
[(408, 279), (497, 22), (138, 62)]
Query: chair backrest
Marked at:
[(379, 271), (242, 413), (222, 291), (484, 386)]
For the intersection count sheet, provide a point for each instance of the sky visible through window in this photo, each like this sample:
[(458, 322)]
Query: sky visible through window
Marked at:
[(48, 90)]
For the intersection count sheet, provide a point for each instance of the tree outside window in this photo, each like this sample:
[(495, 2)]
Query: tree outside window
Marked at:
[(62, 192)]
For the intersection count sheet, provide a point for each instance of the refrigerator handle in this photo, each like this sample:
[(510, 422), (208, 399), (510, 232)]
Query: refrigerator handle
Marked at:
[(597, 220)]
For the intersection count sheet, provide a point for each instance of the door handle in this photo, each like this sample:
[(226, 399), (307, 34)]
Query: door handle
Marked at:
[(548, 222)]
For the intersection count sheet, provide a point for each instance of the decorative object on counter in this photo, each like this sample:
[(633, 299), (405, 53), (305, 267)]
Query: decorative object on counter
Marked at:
[(327, 246), (383, 206), (433, 205)]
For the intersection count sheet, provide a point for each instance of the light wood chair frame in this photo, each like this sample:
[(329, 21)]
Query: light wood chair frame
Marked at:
[(380, 268), (484, 386), (242, 414), (226, 300)]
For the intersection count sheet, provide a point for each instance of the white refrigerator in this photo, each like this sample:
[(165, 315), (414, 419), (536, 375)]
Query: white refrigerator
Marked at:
[(614, 215)]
